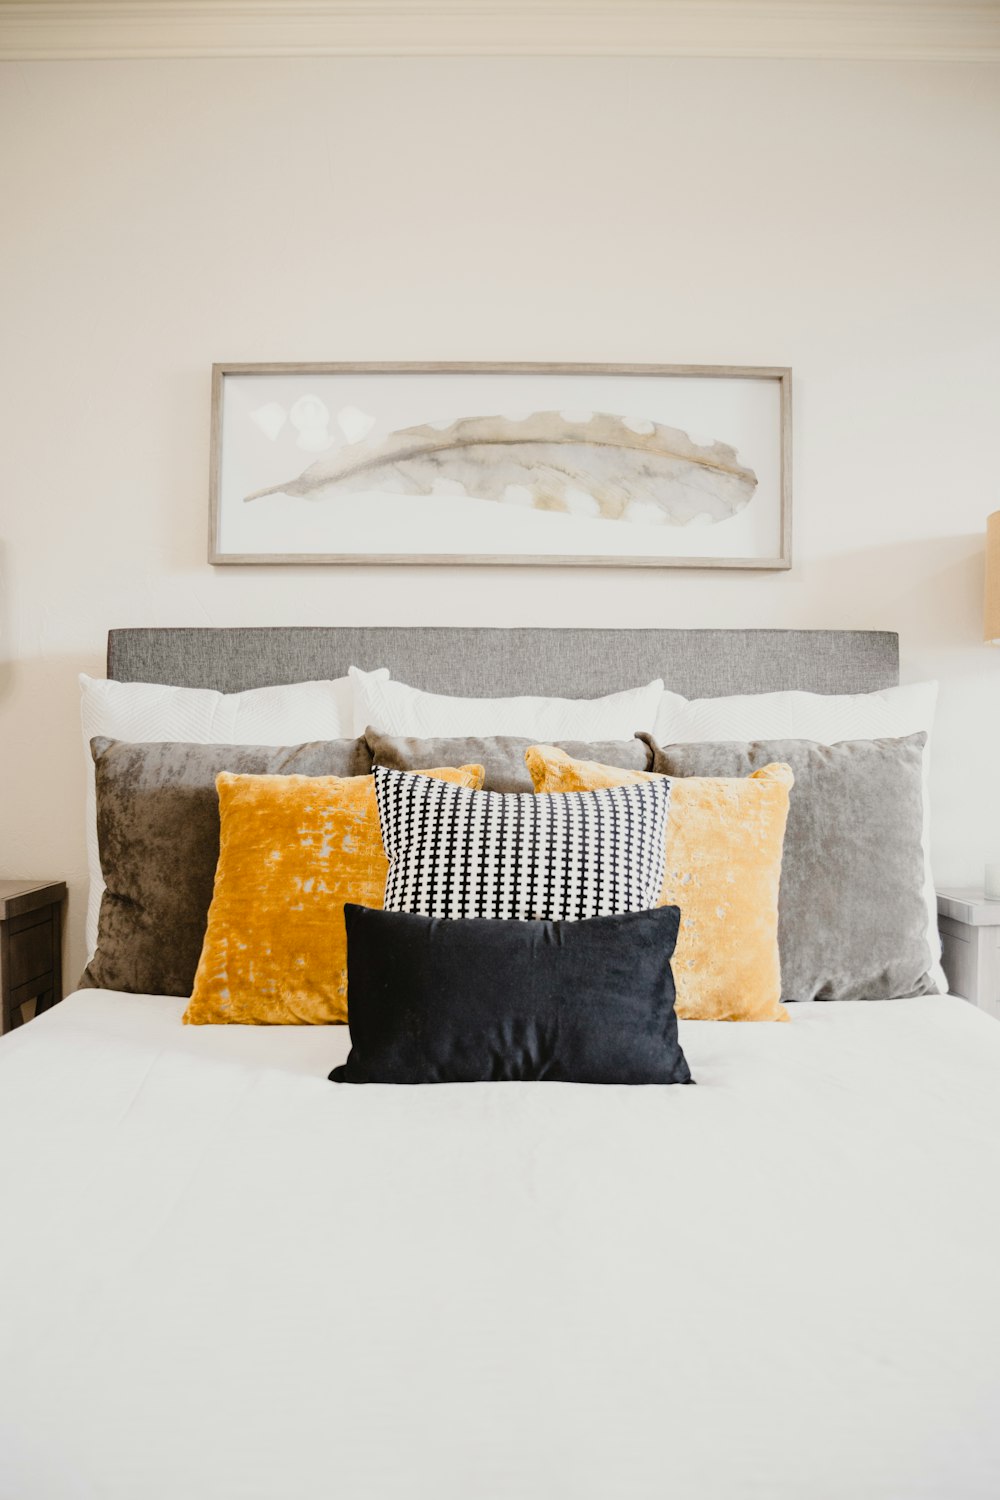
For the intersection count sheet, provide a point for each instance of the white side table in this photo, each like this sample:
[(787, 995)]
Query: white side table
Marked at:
[(970, 942)]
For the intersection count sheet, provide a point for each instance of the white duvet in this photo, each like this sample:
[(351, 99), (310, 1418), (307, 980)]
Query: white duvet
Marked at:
[(223, 1276)]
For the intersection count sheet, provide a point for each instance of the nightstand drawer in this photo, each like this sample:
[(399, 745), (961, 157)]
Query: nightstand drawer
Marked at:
[(31, 949), (970, 947)]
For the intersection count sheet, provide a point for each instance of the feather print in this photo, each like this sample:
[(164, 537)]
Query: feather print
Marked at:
[(597, 465)]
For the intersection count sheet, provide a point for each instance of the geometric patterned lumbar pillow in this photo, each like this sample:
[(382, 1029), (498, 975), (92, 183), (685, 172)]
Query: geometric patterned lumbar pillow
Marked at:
[(454, 852)]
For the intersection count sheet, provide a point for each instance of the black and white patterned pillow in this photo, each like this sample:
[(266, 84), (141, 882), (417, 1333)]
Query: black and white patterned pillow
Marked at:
[(553, 856)]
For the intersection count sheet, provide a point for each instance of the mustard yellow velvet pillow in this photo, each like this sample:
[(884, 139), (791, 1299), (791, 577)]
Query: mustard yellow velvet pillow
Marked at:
[(724, 842), (292, 851)]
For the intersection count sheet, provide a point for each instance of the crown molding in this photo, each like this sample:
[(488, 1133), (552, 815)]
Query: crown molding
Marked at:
[(914, 30)]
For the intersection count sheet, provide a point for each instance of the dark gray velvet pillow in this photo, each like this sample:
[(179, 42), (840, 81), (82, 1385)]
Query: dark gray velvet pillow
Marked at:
[(852, 917), (158, 830), (501, 755)]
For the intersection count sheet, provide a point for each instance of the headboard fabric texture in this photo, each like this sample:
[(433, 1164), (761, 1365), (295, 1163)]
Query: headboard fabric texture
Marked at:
[(473, 661)]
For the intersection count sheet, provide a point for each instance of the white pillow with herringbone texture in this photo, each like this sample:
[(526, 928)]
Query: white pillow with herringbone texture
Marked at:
[(395, 708)]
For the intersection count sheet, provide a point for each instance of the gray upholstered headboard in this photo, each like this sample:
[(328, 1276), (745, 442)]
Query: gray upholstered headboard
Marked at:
[(485, 662)]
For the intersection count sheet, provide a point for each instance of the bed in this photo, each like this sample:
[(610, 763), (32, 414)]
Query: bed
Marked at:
[(225, 1277)]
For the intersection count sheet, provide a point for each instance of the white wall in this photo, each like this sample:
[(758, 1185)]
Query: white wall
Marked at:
[(156, 216)]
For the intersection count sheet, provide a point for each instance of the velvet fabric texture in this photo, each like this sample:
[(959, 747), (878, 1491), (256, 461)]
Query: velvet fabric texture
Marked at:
[(158, 828), (435, 1000), (852, 915), (500, 755), (723, 866), (293, 850)]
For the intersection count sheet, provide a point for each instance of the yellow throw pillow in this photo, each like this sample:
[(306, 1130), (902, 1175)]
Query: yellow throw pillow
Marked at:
[(724, 842), (292, 851)]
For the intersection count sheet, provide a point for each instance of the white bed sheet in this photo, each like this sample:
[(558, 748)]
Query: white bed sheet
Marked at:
[(225, 1277)]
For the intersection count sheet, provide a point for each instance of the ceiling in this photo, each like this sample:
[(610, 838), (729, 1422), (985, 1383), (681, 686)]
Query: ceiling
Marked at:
[(945, 31)]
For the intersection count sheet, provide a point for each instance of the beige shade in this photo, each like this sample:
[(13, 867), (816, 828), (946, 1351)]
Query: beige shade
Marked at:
[(991, 607)]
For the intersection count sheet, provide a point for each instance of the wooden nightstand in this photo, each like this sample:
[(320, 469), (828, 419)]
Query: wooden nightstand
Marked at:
[(970, 943), (30, 947)]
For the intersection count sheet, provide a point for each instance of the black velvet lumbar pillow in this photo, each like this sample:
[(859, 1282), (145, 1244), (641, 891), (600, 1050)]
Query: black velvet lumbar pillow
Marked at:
[(438, 1000)]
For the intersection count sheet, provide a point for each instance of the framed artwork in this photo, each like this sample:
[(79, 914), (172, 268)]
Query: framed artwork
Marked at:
[(681, 466)]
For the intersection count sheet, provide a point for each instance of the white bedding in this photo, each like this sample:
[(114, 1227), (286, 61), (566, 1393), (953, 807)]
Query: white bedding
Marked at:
[(225, 1277)]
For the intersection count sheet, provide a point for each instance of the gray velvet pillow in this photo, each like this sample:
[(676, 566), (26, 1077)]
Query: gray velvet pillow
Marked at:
[(158, 830), (501, 755), (852, 918)]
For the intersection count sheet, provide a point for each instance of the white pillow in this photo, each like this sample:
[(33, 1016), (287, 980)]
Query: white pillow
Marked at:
[(291, 714), (890, 714), (394, 708)]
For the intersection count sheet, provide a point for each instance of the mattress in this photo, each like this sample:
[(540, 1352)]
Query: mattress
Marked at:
[(223, 1276)]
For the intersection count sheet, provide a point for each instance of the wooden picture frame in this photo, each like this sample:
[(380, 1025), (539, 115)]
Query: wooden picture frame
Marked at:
[(302, 397)]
